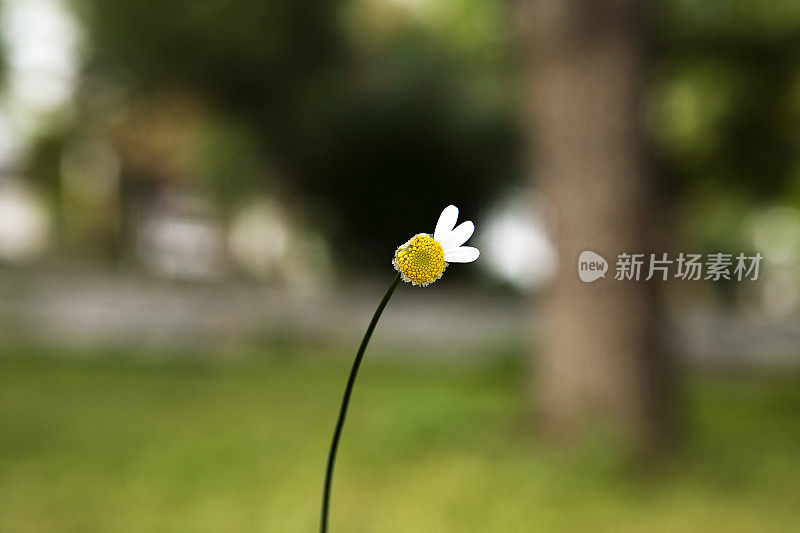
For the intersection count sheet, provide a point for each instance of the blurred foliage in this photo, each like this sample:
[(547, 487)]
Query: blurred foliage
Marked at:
[(360, 107), (369, 115), (725, 99), (2, 57), (132, 443)]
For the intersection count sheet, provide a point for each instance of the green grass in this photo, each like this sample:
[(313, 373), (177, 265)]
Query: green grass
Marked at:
[(239, 445)]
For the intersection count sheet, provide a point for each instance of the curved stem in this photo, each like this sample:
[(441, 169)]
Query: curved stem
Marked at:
[(323, 524)]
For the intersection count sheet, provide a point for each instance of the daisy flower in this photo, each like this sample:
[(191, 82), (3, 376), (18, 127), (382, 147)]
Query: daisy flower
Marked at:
[(420, 261), (423, 259)]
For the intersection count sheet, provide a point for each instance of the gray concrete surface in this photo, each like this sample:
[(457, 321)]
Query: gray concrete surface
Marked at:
[(82, 308)]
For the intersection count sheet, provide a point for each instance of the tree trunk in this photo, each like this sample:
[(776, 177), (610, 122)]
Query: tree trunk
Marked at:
[(601, 367)]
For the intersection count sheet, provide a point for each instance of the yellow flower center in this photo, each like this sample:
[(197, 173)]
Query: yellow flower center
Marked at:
[(420, 260)]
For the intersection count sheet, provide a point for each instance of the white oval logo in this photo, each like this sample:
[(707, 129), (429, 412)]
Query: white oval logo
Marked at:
[(591, 266)]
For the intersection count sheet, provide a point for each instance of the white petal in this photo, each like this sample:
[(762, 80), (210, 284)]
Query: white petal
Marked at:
[(464, 254), (458, 236), (447, 220)]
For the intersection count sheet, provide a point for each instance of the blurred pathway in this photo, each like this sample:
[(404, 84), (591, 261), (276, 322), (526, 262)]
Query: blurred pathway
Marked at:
[(104, 309)]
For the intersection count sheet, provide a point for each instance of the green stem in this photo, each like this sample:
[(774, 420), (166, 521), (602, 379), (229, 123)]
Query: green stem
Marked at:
[(323, 523)]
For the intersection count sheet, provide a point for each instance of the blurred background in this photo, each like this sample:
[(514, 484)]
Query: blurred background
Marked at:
[(199, 203)]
